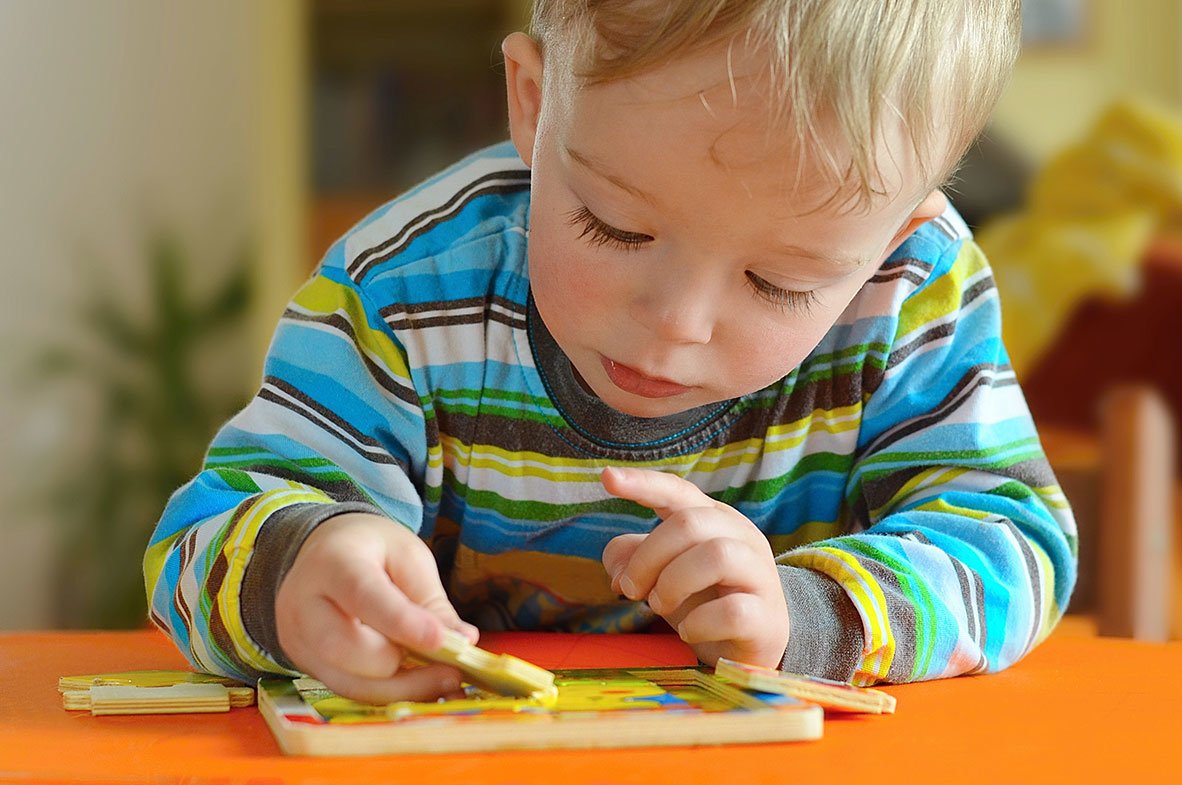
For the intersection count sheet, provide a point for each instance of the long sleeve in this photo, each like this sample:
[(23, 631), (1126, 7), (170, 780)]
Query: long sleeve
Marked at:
[(335, 427), (962, 552)]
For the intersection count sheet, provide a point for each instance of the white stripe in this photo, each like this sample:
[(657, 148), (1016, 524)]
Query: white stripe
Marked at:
[(328, 425), (426, 198), (420, 219)]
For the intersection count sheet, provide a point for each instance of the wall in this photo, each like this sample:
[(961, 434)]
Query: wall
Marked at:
[(121, 117), (1131, 49)]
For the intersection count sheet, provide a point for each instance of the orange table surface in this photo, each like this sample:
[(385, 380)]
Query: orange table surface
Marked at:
[(1079, 708)]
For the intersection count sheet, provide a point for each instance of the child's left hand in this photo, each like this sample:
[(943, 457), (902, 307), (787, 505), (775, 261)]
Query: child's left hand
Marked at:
[(705, 568)]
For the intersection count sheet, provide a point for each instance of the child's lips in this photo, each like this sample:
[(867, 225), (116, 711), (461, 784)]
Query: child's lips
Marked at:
[(633, 381)]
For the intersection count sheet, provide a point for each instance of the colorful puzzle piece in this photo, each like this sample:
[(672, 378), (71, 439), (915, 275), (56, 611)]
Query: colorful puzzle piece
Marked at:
[(824, 692), (503, 674)]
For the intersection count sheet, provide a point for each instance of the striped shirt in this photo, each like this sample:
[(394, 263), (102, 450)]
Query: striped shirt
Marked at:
[(896, 472)]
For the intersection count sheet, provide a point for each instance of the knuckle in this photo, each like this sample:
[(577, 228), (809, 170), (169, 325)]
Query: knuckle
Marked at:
[(671, 597), (418, 557), (354, 588), (741, 614), (692, 524), (722, 552)]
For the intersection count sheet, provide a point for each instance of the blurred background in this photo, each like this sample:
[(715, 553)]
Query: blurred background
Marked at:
[(160, 159)]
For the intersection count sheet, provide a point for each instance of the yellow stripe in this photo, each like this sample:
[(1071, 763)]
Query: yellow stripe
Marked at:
[(929, 479), (323, 296), (866, 593), (939, 505), (806, 534), (941, 297), (1050, 608), (518, 463), (237, 550), (155, 557)]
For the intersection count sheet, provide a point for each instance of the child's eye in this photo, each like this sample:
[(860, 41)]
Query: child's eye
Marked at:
[(599, 234), (784, 298)]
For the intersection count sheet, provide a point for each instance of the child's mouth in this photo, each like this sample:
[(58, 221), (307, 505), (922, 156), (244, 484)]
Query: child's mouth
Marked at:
[(633, 381)]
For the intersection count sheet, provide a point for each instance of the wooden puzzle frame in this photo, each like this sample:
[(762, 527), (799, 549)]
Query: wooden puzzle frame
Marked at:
[(616, 707)]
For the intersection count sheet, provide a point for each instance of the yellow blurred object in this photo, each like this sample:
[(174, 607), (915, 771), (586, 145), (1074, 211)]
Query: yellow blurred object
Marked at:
[(1044, 265), (1091, 214)]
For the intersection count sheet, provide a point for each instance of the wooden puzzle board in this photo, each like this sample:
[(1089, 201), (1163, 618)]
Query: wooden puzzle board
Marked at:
[(618, 707)]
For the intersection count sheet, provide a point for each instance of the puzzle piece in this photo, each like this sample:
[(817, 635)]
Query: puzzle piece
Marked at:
[(503, 674), (152, 692), (824, 692)]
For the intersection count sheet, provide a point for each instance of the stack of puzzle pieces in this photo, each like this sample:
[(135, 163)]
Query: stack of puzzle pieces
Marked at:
[(153, 692)]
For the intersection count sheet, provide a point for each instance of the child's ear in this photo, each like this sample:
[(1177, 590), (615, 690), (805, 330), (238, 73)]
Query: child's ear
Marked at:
[(523, 83), (931, 207)]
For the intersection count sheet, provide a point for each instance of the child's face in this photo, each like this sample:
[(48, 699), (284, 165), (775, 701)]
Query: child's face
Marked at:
[(675, 253)]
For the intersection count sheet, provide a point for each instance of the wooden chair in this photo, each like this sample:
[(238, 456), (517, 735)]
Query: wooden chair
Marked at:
[(1122, 488)]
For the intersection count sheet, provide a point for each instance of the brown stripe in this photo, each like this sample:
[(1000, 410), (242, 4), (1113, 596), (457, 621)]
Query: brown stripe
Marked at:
[(465, 302), (187, 548), (401, 317), (454, 320), (316, 414), (745, 422)]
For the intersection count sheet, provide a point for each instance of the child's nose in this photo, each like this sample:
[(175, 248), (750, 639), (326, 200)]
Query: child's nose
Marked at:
[(678, 311)]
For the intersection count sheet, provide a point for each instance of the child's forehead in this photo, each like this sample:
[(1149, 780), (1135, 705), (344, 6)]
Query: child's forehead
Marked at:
[(704, 114), (709, 95)]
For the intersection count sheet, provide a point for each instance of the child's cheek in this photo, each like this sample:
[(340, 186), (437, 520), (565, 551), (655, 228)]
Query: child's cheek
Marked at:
[(566, 275)]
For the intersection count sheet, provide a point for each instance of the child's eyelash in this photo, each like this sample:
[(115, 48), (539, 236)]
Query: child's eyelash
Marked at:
[(783, 298), (598, 233)]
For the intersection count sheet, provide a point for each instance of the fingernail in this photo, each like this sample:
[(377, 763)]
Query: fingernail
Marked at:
[(654, 602), (628, 587)]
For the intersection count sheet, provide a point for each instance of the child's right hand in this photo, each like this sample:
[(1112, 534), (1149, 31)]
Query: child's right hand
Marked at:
[(362, 588)]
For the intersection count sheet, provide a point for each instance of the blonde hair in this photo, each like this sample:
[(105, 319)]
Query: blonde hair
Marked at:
[(939, 66)]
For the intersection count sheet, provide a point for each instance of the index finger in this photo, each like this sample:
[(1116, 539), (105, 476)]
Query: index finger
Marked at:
[(663, 493)]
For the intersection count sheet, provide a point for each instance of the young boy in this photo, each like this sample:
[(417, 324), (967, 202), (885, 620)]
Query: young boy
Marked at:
[(705, 344)]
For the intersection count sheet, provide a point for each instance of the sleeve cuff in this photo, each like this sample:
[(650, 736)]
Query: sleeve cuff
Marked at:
[(275, 550), (825, 635)]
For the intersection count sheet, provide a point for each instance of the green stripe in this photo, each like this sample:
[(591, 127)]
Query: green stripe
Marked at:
[(934, 457), (767, 489), (530, 510), (491, 393), (518, 415), (238, 481), (855, 350), (1014, 490)]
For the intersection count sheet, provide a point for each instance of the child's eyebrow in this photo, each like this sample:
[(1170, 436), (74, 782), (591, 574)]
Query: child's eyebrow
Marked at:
[(837, 260), (597, 168)]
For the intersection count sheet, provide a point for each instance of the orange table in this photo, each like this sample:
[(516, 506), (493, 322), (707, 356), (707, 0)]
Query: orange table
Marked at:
[(1079, 708)]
